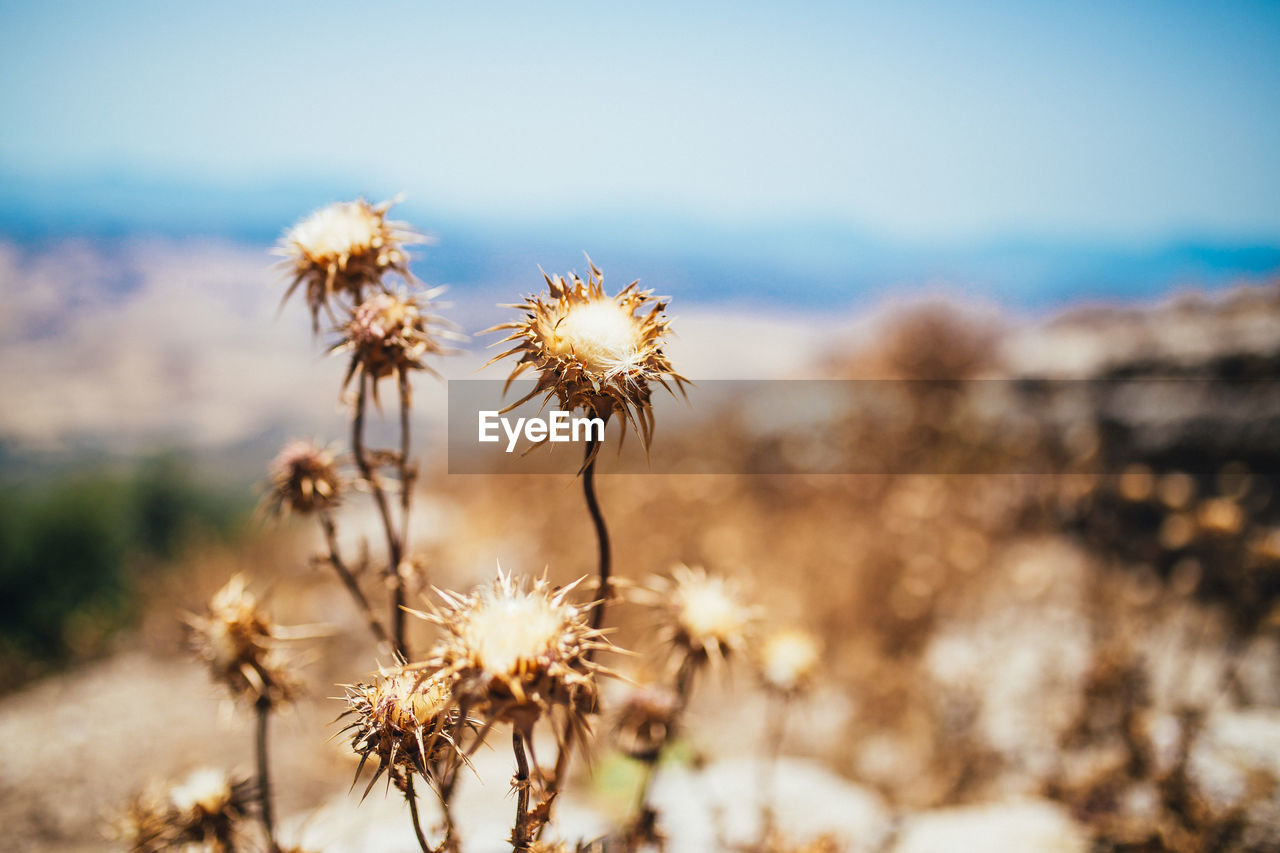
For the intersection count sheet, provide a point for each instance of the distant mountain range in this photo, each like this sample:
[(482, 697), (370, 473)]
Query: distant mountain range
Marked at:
[(791, 265)]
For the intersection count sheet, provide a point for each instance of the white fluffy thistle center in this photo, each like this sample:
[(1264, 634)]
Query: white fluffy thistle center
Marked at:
[(789, 658), (206, 789), (507, 633), (601, 334), (337, 231), (709, 610)]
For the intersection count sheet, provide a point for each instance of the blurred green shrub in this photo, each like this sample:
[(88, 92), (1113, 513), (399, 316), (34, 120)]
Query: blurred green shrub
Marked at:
[(74, 549)]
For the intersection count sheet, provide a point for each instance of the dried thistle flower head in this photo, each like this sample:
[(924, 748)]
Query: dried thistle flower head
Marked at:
[(304, 479), (205, 809), (390, 333), (705, 614), (514, 653), (592, 351), (404, 721), (345, 248), (643, 720), (788, 659), (240, 643)]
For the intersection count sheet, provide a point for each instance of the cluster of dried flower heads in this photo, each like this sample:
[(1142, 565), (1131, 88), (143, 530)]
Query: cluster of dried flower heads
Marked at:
[(513, 652)]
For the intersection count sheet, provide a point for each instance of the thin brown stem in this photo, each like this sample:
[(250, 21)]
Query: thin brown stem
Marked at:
[(521, 834), (684, 688), (605, 559), (263, 708), (648, 767), (413, 813), (349, 581), (406, 500), (604, 571), (394, 548)]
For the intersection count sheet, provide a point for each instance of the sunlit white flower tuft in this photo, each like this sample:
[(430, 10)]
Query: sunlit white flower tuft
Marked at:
[(592, 351), (513, 653), (704, 613), (345, 248), (788, 659)]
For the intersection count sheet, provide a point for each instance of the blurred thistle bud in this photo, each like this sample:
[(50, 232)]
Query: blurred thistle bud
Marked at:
[(644, 719), (703, 614), (592, 351), (240, 644), (345, 248), (304, 479), (514, 654), (205, 810), (405, 722), (390, 334), (788, 659)]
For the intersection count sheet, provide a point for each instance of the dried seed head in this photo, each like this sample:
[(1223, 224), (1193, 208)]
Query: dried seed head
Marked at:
[(405, 722), (345, 248), (705, 614), (592, 351), (788, 659), (643, 720), (240, 644), (389, 333), (513, 654), (205, 809), (304, 479)]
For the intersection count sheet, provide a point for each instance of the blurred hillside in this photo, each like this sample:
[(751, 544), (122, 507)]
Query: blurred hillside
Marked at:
[(1087, 660), (792, 263)]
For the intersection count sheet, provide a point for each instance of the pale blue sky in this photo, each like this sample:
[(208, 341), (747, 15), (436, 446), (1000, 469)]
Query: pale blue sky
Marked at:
[(1131, 121)]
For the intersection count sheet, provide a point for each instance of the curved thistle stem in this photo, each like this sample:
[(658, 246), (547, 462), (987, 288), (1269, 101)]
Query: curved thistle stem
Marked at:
[(263, 708), (406, 499), (349, 581), (394, 546), (603, 571), (521, 832), (413, 813), (605, 563)]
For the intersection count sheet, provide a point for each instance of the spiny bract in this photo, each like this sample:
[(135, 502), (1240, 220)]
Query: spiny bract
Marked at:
[(239, 642), (390, 334), (404, 722), (592, 351), (345, 248), (513, 654)]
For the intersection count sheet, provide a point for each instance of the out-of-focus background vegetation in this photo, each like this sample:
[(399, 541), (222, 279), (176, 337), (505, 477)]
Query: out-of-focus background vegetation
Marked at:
[(827, 190)]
